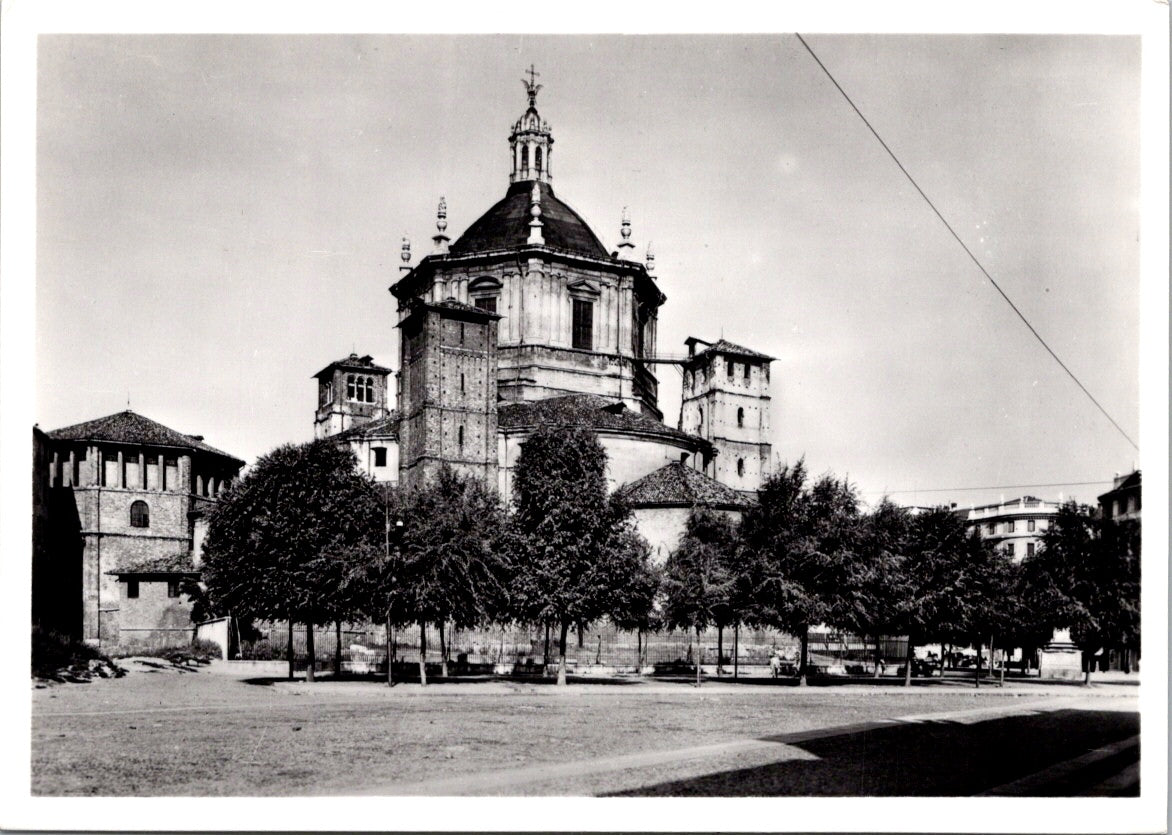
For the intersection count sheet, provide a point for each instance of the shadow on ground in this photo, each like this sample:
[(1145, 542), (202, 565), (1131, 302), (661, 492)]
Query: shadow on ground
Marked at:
[(940, 759)]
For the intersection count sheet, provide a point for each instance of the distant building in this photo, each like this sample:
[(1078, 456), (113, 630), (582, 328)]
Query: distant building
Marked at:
[(1015, 527), (1123, 501), (122, 527)]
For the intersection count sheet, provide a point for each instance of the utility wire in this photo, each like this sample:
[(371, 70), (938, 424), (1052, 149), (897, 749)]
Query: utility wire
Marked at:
[(991, 487), (948, 226)]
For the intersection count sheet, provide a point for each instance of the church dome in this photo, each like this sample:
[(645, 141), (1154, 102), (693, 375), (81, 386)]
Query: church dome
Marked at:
[(506, 225)]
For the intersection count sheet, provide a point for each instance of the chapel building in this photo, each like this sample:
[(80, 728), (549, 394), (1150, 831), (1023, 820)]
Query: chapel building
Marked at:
[(120, 512)]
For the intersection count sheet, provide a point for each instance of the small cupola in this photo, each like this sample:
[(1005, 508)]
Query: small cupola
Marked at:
[(531, 142)]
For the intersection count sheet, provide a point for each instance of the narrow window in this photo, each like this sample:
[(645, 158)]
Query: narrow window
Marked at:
[(460, 437), (140, 515), (487, 303), (740, 417), (461, 333), (351, 387), (525, 159), (583, 335), (740, 466), (380, 456), (700, 425), (1029, 549), (1009, 549), (992, 529), (746, 371), (1009, 526), (1030, 526), (731, 369), (172, 588), (132, 588), (461, 384), (537, 159)]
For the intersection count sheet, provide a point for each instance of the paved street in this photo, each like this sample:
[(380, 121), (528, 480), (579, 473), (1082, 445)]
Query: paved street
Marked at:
[(202, 733)]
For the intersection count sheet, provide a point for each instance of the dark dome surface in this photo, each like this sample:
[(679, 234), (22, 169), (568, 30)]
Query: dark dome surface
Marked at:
[(506, 225)]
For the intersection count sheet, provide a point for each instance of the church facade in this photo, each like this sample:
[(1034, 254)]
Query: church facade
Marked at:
[(526, 320)]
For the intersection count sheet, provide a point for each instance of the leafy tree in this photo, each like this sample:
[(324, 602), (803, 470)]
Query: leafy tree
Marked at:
[(803, 546), (884, 547), (571, 545), (981, 604), (698, 578), (1087, 575), (449, 568), (281, 539), (633, 606)]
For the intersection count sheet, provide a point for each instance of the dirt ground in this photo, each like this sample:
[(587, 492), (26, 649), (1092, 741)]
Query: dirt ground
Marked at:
[(161, 732)]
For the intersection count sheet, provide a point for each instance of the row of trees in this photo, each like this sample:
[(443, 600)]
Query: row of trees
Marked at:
[(806, 555), (304, 537)]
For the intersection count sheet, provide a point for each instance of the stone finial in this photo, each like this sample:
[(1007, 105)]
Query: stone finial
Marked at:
[(535, 236), (405, 267), (441, 224), (625, 246), (650, 258)]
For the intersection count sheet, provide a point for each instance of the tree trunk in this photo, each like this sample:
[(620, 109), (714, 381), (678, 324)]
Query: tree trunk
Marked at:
[(736, 649), (878, 655), (422, 653), (639, 651), (565, 630), (390, 653), (581, 635), (804, 656), (1088, 661), (337, 648), (443, 650), (310, 652), (943, 655), (719, 649), (907, 662), (289, 648), (545, 658), (977, 679), (699, 656)]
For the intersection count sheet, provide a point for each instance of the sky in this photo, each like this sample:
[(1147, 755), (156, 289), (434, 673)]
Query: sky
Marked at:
[(220, 216)]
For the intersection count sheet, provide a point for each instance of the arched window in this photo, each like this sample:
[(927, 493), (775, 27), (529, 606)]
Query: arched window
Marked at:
[(351, 387), (740, 466), (140, 515), (740, 417), (700, 425), (537, 159), (524, 158)]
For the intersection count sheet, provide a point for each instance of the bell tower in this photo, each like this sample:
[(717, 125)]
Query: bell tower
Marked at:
[(726, 401), (351, 391), (531, 142), (448, 392)]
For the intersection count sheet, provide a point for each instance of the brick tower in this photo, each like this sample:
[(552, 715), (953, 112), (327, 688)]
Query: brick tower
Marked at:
[(447, 391), (726, 401)]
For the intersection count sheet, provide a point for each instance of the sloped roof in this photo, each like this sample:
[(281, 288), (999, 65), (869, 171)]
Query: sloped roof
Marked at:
[(677, 485), (384, 426), (132, 428), (355, 363), (590, 411), (177, 563), (506, 225), (723, 346)]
